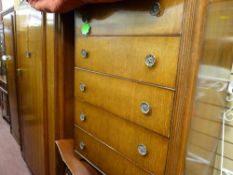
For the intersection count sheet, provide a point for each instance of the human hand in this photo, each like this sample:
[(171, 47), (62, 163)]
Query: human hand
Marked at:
[(62, 5)]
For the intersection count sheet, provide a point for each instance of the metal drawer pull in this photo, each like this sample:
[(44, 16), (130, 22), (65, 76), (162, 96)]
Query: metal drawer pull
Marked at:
[(145, 108), (82, 145), (82, 87), (142, 150), (82, 117), (84, 53), (155, 9), (150, 60)]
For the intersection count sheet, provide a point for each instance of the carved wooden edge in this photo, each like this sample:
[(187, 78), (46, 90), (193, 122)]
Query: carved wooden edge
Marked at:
[(64, 80), (50, 50), (189, 56), (45, 93), (16, 78), (73, 162), (65, 73)]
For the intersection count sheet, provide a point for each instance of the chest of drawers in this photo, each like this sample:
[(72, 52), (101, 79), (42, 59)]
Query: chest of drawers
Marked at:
[(133, 84)]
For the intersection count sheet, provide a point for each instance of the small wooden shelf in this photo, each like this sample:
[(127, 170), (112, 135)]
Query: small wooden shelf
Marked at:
[(73, 163)]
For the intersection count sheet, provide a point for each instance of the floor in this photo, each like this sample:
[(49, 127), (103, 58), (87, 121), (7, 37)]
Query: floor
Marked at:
[(11, 161)]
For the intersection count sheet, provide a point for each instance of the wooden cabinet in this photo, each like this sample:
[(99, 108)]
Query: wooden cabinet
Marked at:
[(130, 88), (10, 54), (135, 72), (43, 73), (30, 58)]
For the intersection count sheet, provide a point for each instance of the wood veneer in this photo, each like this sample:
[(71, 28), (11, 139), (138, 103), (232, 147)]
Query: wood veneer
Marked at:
[(121, 137), (124, 98), (10, 52), (111, 19), (125, 56), (100, 154)]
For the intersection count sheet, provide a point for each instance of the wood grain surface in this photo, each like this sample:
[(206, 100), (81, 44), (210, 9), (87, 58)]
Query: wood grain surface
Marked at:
[(123, 136), (10, 51), (104, 157), (125, 57), (124, 98), (132, 18), (31, 88)]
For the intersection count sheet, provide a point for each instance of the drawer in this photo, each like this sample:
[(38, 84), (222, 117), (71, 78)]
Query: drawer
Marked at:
[(123, 136), (107, 160), (132, 18), (128, 57), (125, 99)]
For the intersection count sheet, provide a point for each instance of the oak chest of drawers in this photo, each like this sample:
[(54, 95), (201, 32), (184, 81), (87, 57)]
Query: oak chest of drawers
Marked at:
[(132, 78)]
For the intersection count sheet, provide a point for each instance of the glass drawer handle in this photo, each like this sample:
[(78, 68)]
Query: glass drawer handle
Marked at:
[(145, 108), (82, 145), (155, 9), (142, 150), (82, 87), (82, 117), (150, 60), (84, 53)]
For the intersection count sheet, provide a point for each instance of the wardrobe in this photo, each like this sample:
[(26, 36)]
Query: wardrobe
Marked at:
[(37, 69)]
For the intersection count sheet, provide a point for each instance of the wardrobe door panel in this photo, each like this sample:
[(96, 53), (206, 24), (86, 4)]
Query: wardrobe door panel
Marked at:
[(30, 83)]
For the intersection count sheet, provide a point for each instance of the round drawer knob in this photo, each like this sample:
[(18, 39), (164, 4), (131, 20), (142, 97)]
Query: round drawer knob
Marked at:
[(142, 150), (150, 60), (84, 53), (145, 108), (155, 9), (82, 145), (82, 87), (82, 117)]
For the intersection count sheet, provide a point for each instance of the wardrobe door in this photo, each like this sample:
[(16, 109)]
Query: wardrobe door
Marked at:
[(10, 55), (31, 87)]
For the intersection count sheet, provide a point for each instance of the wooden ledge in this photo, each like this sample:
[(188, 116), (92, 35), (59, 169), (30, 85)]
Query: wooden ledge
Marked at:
[(76, 166)]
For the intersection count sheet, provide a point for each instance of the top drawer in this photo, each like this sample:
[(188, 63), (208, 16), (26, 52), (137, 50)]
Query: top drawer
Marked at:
[(132, 17)]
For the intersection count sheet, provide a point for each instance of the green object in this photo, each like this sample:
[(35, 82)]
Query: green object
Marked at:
[(86, 28)]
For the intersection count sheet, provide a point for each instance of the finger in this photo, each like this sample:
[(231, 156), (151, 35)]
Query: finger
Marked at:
[(43, 5)]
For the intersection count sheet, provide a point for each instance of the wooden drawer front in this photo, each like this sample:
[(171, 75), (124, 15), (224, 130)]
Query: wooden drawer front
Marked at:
[(133, 18), (124, 98), (123, 136), (125, 56), (107, 160)]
